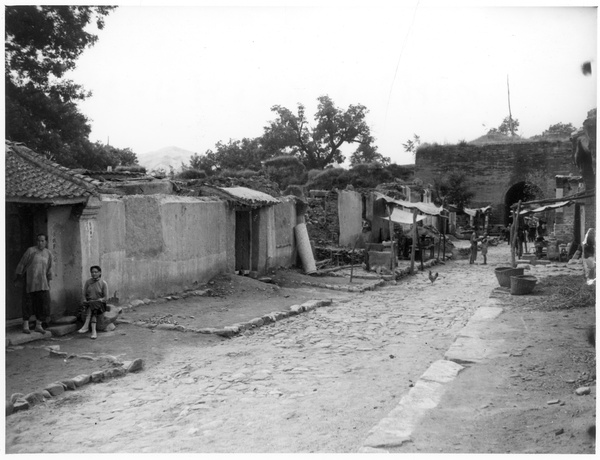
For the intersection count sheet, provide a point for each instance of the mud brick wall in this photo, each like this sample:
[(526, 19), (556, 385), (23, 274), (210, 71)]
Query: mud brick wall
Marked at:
[(491, 170)]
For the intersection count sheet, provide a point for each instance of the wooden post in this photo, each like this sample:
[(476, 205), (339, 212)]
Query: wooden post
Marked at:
[(392, 246), (444, 223), (414, 242), (514, 231)]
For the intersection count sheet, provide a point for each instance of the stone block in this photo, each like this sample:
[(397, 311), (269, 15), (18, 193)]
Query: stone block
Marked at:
[(62, 329), (69, 384), (256, 322), (46, 394), (55, 389), (64, 320), (110, 327), (165, 327), (297, 309), (35, 397), (134, 366), (16, 396), (107, 318), (224, 332), (81, 380), (97, 376), (20, 404), (268, 319), (136, 303)]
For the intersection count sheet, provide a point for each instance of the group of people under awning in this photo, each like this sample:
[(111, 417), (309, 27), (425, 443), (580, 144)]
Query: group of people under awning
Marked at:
[(398, 213)]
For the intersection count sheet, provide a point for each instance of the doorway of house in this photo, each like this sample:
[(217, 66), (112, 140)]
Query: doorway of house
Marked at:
[(19, 235), (246, 240)]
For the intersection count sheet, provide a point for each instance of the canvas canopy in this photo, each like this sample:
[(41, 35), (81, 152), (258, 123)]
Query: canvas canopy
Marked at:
[(473, 212), (560, 204), (425, 208), (402, 217)]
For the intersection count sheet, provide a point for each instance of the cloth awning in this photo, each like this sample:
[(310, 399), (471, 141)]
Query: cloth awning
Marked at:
[(402, 217), (473, 212), (560, 204), (425, 208)]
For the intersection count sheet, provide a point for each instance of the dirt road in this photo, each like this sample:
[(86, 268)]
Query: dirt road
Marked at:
[(316, 382)]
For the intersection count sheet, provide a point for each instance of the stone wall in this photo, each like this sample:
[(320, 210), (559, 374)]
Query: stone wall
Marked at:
[(491, 170), (350, 206), (151, 245), (284, 245)]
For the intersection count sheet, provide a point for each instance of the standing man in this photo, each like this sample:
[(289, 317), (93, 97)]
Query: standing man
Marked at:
[(36, 266), (474, 239)]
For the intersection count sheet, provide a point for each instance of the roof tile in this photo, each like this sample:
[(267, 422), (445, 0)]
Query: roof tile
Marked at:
[(31, 175)]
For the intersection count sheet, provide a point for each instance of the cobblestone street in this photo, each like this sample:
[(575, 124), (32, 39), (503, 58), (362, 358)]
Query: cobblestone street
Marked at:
[(317, 382)]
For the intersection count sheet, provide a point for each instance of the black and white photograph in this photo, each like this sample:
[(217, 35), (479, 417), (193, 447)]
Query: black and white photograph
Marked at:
[(300, 227)]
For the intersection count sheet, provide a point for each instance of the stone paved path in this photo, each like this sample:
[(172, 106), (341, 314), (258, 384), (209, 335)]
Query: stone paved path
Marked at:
[(316, 382)]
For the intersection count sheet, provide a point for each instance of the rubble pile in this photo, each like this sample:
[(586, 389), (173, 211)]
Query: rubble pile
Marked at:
[(258, 182), (337, 256), (322, 220)]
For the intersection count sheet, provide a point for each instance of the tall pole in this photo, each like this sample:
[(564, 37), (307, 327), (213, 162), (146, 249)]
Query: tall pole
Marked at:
[(512, 130), (414, 242)]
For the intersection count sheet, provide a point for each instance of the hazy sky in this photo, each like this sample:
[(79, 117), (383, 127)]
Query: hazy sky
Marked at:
[(190, 76)]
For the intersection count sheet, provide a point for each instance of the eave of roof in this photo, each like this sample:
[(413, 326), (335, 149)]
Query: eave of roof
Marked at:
[(32, 178)]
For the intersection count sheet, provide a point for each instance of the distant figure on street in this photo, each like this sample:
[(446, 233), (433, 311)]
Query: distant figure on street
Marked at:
[(474, 241), (35, 266), (484, 247), (95, 296)]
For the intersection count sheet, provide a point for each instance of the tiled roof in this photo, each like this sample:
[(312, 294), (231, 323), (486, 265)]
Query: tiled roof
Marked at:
[(241, 195), (32, 177)]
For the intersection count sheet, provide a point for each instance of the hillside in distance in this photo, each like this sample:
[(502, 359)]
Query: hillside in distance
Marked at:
[(165, 158)]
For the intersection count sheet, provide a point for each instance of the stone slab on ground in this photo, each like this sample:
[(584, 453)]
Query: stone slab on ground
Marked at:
[(62, 329), (18, 338)]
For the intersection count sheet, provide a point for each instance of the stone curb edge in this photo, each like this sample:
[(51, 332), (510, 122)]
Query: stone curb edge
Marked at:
[(239, 328), (19, 402), (396, 428)]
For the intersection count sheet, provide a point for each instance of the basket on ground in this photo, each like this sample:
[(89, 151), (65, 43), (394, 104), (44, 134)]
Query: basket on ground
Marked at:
[(504, 273), (522, 284)]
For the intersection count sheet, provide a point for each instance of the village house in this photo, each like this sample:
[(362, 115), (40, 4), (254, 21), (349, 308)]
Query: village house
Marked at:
[(148, 240)]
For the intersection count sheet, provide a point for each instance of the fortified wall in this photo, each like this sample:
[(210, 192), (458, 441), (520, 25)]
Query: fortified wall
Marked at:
[(496, 172)]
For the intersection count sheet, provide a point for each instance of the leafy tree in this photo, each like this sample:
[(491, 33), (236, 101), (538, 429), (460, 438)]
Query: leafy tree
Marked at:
[(191, 174), (42, 43), (367, 153), (95, 156), (505, 127), (286, 171), (452, 189), (318, 146), (560, 130), (411, 145), (235, 155)]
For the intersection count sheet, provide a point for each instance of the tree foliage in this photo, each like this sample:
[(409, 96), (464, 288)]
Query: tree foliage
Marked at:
[(411, 145), (286, 171), (563, 130), (452, 189), (367, 153), (319, 145), (505, 127), (239, 154), (42, 43)]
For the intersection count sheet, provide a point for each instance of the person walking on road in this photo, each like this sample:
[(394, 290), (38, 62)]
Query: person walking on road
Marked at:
[(95, 293), (474, 241), (36, 268), (484, 247)]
